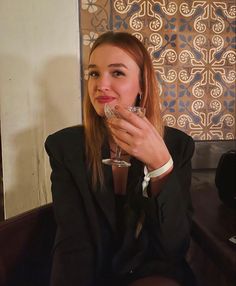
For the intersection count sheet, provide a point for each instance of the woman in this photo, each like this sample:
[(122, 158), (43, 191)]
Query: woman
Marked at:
[(121, 226)]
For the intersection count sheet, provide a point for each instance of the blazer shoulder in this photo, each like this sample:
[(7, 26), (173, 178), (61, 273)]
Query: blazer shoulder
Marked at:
[(66, 138), (178, 142), (173, 136)]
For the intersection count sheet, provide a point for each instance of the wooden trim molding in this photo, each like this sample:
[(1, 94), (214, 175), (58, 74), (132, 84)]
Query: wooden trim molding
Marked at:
[(1, 184)]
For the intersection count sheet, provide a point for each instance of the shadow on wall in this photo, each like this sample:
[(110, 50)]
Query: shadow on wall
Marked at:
[(59, 85), (34, 104)]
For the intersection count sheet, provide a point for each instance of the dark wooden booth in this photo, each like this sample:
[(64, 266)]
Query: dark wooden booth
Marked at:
[(211, 255), (26, 243)]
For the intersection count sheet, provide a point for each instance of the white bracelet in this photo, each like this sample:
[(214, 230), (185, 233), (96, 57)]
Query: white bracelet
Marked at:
[(155, 173)]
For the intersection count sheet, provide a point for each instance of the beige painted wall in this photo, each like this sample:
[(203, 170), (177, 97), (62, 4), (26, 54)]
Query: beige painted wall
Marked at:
[(40, 92)]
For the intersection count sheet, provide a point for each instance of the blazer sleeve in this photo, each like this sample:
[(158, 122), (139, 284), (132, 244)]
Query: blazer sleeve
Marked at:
[(73, 255), (168, 215), (174, 203)]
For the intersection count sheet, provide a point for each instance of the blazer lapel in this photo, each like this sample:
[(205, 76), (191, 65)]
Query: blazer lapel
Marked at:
[(77, 166), (104, 197)]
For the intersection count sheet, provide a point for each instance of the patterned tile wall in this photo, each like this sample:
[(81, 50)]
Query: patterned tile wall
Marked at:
[(193, 48)]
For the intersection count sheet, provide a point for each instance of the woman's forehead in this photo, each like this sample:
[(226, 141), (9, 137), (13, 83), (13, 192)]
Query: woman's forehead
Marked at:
[(110, 54)]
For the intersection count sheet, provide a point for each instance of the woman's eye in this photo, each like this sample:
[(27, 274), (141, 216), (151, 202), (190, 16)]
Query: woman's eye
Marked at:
[(118, 73), (93, 74)]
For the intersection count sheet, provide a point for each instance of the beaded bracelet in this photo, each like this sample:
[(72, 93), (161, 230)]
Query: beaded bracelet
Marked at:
[(155, 173)]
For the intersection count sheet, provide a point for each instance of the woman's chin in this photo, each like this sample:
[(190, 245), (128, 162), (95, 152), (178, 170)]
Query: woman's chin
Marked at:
[(100, 112)]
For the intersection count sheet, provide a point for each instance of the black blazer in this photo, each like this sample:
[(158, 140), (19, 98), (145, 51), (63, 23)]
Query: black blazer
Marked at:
[(79, 244)]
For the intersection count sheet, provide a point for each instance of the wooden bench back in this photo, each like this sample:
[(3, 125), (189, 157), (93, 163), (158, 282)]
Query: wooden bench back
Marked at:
[(26, 243)]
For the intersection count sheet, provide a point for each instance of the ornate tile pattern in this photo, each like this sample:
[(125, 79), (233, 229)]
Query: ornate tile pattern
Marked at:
[(193, 49)]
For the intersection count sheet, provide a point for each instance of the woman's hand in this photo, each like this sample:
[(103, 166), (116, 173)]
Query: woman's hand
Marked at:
[(138, 137)]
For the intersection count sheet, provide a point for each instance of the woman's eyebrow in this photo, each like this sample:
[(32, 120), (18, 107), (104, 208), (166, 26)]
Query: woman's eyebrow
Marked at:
[(117, 65), (90, 66)]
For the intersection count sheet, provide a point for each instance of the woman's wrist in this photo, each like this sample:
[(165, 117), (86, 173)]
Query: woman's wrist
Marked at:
[(159, 171), (155, 174), (158, 159)]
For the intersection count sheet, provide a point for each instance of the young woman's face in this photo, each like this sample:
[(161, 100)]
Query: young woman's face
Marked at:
[(113, 78)]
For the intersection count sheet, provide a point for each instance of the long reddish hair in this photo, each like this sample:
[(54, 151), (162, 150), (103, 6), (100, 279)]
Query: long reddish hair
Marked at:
[(95, 130)]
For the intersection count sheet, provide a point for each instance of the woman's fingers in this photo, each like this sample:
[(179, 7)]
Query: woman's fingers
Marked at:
[(129, 116), (122, 126), (131, 138), (138, 137)]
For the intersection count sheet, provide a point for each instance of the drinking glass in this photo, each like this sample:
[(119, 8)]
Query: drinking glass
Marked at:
[(110, 112)]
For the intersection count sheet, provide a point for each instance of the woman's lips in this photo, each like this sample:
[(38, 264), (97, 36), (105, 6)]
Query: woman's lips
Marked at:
[(104, 99)]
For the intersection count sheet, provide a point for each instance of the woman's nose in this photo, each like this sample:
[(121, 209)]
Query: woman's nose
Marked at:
[(103, 83)]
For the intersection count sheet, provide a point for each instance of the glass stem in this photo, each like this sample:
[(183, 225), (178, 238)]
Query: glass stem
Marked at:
[(118, 152)]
